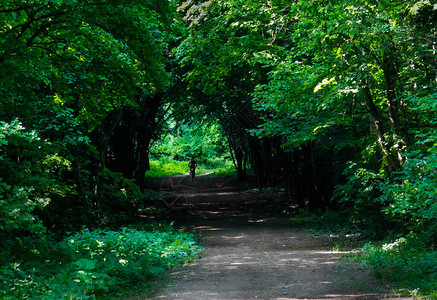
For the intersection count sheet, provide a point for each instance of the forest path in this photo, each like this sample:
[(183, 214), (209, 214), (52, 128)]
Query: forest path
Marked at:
[(252, 252)]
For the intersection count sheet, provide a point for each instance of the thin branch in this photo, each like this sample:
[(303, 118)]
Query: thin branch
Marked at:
[(5, 11), (39, 31), (51, 51)]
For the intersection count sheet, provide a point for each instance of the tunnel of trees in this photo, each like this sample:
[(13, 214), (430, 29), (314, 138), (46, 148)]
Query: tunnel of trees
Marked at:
[(334, 100)]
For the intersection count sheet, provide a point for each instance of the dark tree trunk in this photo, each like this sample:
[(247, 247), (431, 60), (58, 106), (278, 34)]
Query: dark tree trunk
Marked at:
[(81, 193), (296, 178), (123, 145), (239, 155), (146, 132), (101, 137), (268, 159), (256, 153), (236, 141), (318, 200)]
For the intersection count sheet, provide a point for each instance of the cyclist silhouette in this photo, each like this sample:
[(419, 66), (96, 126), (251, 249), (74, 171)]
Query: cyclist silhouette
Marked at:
[(192, 164)]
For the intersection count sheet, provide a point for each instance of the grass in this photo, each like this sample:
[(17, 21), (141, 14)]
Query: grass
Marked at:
[(164, 168), (402, 261), (168, 167)]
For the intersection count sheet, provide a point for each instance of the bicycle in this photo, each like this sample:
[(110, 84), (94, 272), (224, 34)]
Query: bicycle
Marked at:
[(192, 165), (192, 173)]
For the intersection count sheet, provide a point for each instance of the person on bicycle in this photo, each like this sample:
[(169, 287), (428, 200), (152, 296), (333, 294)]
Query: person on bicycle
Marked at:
[(192, 164)]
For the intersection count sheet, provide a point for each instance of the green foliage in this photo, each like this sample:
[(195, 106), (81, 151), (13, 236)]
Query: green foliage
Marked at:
[(203, 140), (74, 68), (23, 180), (167, 167), (406, 262), (359, 199), (412, 196), (98, 263), (120, 197), (87, 81), (409, 262), (406, 202)]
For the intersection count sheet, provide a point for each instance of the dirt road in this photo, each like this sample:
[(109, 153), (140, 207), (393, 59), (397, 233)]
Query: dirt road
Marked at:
[(251, 252)]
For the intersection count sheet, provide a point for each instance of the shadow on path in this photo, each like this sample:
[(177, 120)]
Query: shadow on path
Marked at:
[(253, 252)]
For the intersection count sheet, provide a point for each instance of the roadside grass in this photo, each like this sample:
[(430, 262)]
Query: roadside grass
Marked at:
[(93, 264), (405, 261), (167, 167), (221, 168)]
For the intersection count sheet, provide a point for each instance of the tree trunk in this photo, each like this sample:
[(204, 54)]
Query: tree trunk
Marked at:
[(256, 152), (376, 121), (318, 200), (397, 119), (82, 195), (145, 135), (101, 137), (236, 148), (123, 145)]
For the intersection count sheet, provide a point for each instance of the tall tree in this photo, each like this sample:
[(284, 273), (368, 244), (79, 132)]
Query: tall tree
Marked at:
[(86, 62), (223, 55)]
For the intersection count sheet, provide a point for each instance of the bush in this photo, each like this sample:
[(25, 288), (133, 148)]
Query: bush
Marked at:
[(359, 198), (412, 196), (23, 182), (99, 263), (405, 262)]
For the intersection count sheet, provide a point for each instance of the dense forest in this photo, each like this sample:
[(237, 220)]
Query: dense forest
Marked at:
[(335, 101)]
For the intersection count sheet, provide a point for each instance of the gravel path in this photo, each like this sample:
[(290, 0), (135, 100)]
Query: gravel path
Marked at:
[(252, 253)]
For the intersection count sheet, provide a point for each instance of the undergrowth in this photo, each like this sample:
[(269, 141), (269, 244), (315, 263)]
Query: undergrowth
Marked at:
[(345, 235), (163, 168), (404, 261), (168, 167), (407, 261), (98, 264)]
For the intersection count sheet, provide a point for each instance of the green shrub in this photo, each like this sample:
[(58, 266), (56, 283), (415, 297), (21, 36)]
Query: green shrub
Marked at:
[(359, 200), (23, 182), (405, 262), (412, 196), (99, 263)]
